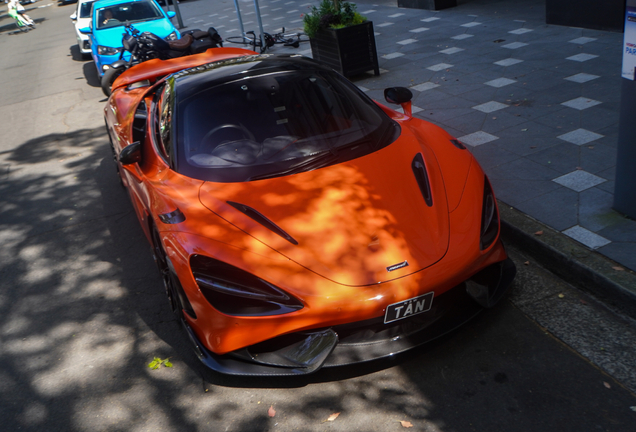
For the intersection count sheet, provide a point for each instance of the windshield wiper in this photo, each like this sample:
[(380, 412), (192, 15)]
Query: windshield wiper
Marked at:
[(319, 161)]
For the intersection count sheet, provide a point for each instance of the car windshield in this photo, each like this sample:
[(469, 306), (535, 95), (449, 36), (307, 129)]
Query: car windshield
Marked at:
[(85, 9), (276, 124), (119, 14)]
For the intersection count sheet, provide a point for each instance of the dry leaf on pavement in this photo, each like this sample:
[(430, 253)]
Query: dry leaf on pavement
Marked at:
[(606, 384), (406, 424), (538, 233), (618, 268), (271, 411), (333, 416)]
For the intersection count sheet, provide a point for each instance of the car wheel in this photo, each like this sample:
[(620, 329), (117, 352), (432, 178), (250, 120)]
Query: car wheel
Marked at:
[(170, 280), (109, 78), (112, 149)]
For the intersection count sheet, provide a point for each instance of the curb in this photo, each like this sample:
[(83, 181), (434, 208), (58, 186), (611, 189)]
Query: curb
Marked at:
[(573, 262)]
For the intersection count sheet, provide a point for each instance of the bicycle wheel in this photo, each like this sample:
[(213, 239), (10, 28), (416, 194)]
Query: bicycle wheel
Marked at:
[(240, 40)]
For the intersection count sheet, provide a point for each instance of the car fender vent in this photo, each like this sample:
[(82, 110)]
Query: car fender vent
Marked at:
[(419, 169), (258, 217)]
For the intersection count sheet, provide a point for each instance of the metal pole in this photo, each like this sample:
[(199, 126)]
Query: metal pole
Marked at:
[(260, 24), (625, 185), (240, 20), (175, 3)]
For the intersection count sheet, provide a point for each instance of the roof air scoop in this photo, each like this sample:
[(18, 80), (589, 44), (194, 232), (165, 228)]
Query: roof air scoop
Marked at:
[(419, 169), (258, 217)]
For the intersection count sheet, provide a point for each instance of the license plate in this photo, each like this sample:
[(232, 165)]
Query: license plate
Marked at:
[(408, 308)]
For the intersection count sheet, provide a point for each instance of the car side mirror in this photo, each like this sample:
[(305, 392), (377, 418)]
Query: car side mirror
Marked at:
[(401, 96), (85, 30), (130, 154), (171, 14)]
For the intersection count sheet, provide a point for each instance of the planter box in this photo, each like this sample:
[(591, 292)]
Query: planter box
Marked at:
[(349, 50), (590, 14), (427, 4)]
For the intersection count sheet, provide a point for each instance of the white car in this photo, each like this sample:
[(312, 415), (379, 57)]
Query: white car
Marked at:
[(82, 18)]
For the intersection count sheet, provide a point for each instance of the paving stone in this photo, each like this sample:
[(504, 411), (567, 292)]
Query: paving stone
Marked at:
[(508, 62), (439, 67), (582, 57), (431, 19), (582, 40), (580, 136), (489, 107), (453, 50), (587, 237), (407, 41), (579, 180), (477, 138), (500, 82), (582, 77), (581, 103), (515, 45), (520, 31), (425, 86), (471, 24), (393, 55), (557, 208), (462, 36)]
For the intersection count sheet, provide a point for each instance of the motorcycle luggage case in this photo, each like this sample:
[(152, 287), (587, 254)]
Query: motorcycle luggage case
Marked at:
[(200, 45)]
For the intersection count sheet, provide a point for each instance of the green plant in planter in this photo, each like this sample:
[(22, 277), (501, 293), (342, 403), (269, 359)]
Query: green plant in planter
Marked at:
[(331, 14)]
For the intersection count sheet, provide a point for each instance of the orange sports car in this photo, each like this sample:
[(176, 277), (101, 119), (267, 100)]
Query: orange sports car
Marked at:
[(297, 223)]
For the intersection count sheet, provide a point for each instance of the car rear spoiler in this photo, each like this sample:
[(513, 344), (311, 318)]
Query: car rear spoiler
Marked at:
[(154, 69)]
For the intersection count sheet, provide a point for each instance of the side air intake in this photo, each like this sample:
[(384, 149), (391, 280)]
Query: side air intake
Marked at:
[(419, 169)]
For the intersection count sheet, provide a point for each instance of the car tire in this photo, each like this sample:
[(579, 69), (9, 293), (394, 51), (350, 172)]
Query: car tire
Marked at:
[(168, 275), (109, 78)]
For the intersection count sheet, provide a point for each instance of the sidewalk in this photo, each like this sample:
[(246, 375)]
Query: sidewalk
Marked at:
[(538, 105)]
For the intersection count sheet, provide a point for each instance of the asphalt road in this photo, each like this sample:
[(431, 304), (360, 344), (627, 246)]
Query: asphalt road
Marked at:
[(82, 308)]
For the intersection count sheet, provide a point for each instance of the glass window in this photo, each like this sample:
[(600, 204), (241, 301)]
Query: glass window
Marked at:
[(277, 124), (117, 15), (85, 9)]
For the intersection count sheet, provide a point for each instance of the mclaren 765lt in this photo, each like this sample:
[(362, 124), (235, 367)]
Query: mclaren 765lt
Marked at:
[(297, 223)]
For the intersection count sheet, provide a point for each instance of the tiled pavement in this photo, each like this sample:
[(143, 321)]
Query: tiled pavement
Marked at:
[(537, 104)]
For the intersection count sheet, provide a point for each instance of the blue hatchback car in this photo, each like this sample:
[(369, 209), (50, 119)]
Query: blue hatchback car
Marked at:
[(109, 19)]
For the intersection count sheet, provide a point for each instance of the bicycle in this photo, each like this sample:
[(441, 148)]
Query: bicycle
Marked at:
[(269, 40)]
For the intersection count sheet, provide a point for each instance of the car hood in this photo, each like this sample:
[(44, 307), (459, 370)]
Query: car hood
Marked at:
[(356, 223), (112, 36)]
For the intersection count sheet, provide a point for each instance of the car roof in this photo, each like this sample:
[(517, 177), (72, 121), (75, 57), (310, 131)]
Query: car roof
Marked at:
[(190, 81), (104, 3)]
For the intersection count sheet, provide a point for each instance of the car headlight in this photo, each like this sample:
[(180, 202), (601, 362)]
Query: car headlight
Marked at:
[(105, 50), (172, 36), (489, 217), (233, 291)]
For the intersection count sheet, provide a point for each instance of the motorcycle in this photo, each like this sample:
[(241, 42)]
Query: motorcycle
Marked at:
[(146, 46)]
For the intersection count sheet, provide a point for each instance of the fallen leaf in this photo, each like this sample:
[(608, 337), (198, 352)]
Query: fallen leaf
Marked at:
[(406, 424), (538, 233), (579, 168), (606, 384), (523, 130), (271, 411), (333, 416), (526, 263), (561, 295), (617, 268)]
